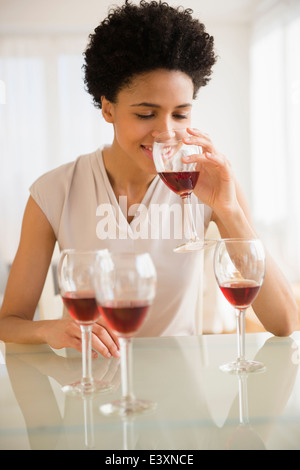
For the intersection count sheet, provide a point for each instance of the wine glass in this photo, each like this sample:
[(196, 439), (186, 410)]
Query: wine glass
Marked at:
[(125, 286), (180, 177), (239, 266), (75, 272)]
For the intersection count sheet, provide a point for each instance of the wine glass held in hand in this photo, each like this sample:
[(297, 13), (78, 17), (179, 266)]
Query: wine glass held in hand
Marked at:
[(125, 286), (168, 151), (76, 283), (239, 266)]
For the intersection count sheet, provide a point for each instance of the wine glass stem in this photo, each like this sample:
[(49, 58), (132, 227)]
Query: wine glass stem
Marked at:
[(240, 329), (126, 368), (189, 222), (86, 335)]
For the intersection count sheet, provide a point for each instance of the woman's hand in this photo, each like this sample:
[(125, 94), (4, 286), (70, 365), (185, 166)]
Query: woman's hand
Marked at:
[(216, 185), (66, 333)]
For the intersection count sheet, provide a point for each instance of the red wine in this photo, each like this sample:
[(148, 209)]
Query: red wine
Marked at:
[(82, 306), (181, 182), (240, 293), (125, 317)]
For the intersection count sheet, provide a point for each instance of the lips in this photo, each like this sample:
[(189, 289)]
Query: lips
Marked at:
[(148, 151)]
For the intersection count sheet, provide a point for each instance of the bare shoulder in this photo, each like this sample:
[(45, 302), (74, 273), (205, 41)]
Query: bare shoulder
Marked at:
[(35, 220)]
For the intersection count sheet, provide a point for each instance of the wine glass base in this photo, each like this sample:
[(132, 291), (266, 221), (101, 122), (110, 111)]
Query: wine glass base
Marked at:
[(79, 389), (127, 409), (195, 245), (243, 367)]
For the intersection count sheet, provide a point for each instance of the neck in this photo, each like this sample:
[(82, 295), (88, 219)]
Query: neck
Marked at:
[(126, 178)]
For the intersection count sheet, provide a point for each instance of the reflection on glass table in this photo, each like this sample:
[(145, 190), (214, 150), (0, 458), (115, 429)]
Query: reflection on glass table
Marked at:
[(198, 407), (244, 437)]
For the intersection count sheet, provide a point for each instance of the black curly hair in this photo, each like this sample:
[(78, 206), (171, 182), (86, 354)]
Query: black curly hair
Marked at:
[(135, 39)]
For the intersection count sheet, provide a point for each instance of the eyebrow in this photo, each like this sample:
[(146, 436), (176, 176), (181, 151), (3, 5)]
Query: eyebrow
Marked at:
[(152, 105)]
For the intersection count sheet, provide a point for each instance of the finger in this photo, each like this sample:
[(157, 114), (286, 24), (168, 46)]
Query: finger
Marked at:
[(208, 163), (201, 141), (73, 336), (101, 322), (196, 132), (200, 138), (209, 153), (75, 342), (196, 158), (104, 342), (217, 159)]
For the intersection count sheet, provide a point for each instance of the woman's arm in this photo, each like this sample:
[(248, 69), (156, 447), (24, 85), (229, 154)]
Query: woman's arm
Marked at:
[(275, 305), (24, 287), (26, 278)]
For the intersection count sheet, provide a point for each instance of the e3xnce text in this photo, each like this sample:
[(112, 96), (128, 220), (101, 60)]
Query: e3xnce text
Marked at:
[(168, 459)]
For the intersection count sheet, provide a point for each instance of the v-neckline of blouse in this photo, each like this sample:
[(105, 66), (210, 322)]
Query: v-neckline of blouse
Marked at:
[(112, 196)]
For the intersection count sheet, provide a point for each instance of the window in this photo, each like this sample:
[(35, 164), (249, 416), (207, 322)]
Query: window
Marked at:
[(46, 119), (275, 136)]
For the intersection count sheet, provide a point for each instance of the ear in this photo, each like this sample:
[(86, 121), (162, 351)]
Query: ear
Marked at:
[(107, 110)]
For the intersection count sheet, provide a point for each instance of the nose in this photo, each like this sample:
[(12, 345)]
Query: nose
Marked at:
[(154, 134), (164, 125)]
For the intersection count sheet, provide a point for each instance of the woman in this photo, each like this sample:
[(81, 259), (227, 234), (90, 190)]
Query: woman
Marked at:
[(143, 67)]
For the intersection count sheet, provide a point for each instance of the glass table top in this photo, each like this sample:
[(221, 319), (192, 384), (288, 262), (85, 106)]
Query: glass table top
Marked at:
[(198, 406)]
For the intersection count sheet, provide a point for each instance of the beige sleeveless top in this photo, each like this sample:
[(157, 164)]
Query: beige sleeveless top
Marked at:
[(79, 202)]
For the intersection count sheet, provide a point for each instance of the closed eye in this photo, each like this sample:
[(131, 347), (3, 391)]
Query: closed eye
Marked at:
[(180, 116), (149, 116), (145, 116)]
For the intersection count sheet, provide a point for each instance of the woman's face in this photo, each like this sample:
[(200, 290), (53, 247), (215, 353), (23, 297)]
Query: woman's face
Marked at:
[(153, 103)]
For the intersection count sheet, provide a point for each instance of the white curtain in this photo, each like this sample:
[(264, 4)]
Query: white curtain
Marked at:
[(46, 119), (275, 131)]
